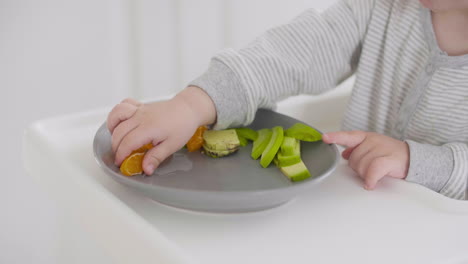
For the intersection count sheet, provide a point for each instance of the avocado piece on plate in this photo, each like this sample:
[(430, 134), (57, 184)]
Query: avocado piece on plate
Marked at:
[(303, 132), (243, 141), (247, 133), (264, 136), (221, 140), (220, 143), (288, 145), (273, 146), (283, 160), (296, 172), (218, 153)]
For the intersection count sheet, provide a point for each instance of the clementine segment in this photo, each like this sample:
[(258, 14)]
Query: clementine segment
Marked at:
[(133, 164), (196, 141), (143, 148)]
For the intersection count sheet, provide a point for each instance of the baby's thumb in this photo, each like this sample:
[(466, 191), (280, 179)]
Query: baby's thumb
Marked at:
[(155, 156)]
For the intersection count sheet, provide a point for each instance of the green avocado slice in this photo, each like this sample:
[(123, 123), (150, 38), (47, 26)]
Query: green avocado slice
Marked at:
[(303, 132), (288, 145), (218, 153), (261, 142), (247, 133), (221, 139), (288, 160), (273, 146), (243, 141), (296, 172)]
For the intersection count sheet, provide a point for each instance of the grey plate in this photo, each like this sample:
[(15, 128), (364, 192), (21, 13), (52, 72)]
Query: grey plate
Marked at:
[(236, 183)]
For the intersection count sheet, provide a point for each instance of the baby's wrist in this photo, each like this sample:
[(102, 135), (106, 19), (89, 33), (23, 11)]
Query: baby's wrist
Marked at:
[(199, 103)]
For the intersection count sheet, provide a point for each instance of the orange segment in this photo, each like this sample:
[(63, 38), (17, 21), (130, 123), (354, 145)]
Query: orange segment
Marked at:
[(196, 141), (133, 164), (143, 148)]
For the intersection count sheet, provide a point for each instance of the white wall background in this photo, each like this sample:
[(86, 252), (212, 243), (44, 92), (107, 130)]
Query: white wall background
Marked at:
[(63, 56)]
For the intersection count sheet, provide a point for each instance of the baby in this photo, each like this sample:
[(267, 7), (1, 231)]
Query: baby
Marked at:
[(407, 116)]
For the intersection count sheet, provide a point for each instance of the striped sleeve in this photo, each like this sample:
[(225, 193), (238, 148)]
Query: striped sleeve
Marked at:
[(310, 55)]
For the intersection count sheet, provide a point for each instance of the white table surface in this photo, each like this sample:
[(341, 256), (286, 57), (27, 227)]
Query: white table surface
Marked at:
[(335, 222)]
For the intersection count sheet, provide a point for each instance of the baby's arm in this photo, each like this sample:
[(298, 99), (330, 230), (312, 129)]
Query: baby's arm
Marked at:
[(168, 125), (443, 169), (310, 55)]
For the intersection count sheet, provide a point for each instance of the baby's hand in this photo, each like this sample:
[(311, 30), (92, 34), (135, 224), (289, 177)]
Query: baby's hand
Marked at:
[(372, 155), (168, 125)]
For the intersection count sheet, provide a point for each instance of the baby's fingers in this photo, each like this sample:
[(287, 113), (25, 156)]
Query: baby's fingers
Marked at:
[(131, 101), (120, 113), (121, 131), (132, 141), (347, 153), (378, 169), (349, 139), (155, 156)]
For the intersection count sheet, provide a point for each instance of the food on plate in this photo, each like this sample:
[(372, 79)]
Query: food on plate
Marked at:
[(273, 146), (247, 133), (296, 172), (259, 145), (288, 146), (196, 141), (290, 163), (303, 132), (132, 165), (218, 153), (243, 141), (292, 155), (220, 143)]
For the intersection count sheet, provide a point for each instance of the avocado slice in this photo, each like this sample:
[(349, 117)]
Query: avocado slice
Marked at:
[(288, 145), (273, 146), (261, 142), (296, 172), (247, 133), (218, 153), (303, 132), (284, 160), (243, 141), (220, 140)]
